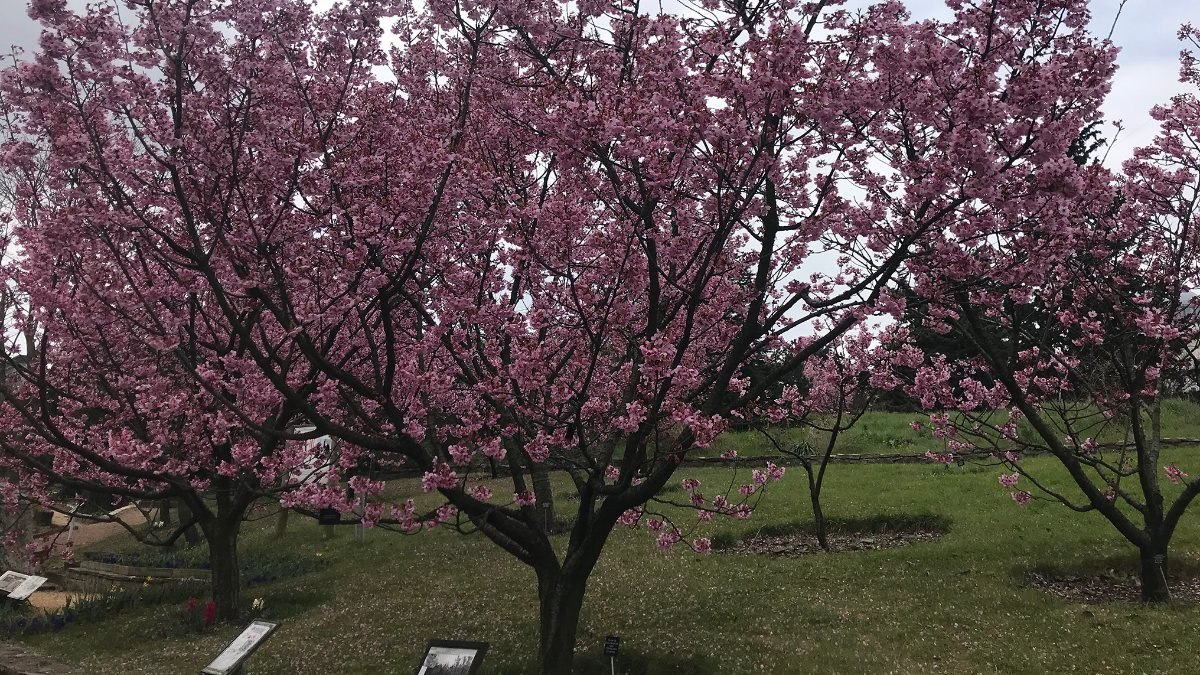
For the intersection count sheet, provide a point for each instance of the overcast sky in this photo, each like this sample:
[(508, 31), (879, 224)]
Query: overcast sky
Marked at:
[(1149, 59), (1148, 71)]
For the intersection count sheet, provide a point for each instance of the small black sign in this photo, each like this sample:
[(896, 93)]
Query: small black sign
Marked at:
[(329, 517), (611, 644)]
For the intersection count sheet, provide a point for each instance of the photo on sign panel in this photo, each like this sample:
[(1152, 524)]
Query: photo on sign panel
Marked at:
[(446, 657), (9, 581)]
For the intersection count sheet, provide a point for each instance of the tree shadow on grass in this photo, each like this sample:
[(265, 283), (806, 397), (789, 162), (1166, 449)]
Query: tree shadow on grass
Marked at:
[(845, 534), (1108, 579), (631, 662)]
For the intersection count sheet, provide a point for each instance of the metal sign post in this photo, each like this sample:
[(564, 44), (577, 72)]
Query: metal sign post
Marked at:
[(612, 644)]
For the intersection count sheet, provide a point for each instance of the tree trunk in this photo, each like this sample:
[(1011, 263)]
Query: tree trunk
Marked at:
[(560, 599), (226, 576), (1154, 555), (191, 535), (814, 485), (545, 496), (819, 518), (1154, 574), (814, 496), (281, 523)]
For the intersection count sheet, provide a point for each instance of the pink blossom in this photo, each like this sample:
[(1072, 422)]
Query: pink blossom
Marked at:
[(442, 477), (480, 492), (525, 498), (362, 485), (940, 457), (1008, 430), (667, 539), (635, 414), (1009, 480), (538, 450), (404, 510), (760, 477), (704, 515), (630, 518), (702, 545), (460, 454), (1021, 497), (1174, 473), (774, 471), (445, 513), (372, 513), (494, 449), (690, 484), (706, 429)]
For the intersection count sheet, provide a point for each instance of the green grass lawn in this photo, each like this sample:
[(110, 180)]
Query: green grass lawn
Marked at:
[(959, 605), (890, 433), (877, 432)]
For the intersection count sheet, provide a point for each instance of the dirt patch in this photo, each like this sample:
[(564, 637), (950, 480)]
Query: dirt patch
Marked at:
[(1098, 588), (803, 543), (50, 600), (79, 533)]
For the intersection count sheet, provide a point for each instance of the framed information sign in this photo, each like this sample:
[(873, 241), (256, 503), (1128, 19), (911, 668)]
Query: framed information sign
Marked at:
[(452, 657), (20, 586), (236, 653)]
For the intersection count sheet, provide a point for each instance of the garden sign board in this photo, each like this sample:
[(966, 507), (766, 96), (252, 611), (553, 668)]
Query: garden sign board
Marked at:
[(229, 660)]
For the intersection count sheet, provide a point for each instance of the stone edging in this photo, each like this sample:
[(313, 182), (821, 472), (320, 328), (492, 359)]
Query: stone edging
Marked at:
[(17, 659), (135, 572)]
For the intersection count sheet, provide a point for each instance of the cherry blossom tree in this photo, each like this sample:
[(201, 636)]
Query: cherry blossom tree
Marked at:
[(548, 235), (96, 404), (1079, 323), (115, 379), (839, 385)]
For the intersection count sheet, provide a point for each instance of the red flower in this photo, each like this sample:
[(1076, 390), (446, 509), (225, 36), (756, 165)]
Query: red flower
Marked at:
[(210, 612)]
